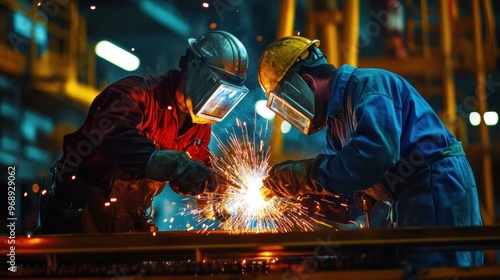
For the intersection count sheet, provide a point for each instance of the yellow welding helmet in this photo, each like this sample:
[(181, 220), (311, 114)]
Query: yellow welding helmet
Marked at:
[(279, 57), (288, 95)]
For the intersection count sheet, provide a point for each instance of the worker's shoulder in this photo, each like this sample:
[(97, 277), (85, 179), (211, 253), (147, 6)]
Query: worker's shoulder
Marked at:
[(377, 81), (377, 77), (137, 80), (374, 74), (134, 83)]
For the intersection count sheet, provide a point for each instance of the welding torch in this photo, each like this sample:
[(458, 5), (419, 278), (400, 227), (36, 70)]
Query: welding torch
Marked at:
[(366, 204), (212, 201), (220, 212)]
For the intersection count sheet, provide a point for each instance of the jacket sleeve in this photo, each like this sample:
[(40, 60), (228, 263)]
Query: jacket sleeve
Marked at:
[(373, 147), (118, 114), (198, 147)]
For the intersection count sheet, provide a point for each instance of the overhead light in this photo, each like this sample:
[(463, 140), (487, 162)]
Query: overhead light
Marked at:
[(490, 118), (474, 118), (22, 24), (262, 110), (285, 127), (117, 55)]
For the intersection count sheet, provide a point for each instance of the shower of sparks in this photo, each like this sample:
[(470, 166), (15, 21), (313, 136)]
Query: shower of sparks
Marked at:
[(242, 207)]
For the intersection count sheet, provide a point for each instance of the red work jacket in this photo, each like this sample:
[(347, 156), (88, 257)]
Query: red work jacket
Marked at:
[(127, 122)]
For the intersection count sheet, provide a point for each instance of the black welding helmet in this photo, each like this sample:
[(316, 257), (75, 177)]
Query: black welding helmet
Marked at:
[(215, 76)]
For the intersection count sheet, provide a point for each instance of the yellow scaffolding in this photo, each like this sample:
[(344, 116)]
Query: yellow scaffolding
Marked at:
[(55, 71)]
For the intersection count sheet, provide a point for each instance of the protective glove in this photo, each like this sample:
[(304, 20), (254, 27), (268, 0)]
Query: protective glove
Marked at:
[(223, 184), (211, 207), (186, 176), (292, 178)]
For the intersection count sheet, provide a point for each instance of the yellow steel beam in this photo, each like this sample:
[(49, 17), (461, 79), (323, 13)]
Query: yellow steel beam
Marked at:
[(286, 18), (351, 32), (325, 18), (330, 43), (73, 42), (489, 215), (490, 35), (285, 28), (424, 14), (448, 77), (412, 66)]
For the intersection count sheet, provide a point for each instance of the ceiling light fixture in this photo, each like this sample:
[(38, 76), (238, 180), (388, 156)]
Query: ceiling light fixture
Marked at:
[(285, 127), (490, 118), (474, 118), (262, 110), (117, 55)]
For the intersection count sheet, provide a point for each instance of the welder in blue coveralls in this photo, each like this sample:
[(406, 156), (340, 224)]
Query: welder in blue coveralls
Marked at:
[(383, 140)]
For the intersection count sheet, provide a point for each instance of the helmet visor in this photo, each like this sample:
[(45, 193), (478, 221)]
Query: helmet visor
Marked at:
[(293, 100), (288, 112), (213, 97)]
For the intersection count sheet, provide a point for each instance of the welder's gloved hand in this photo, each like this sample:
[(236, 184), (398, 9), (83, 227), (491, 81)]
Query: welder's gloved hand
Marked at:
[(223, 184), (293, 177), (186, 176), (210, 207)]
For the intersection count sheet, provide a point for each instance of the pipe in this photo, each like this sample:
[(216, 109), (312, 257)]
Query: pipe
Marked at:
[(285, 28), (351, 32), (489, 216), (448, 77)]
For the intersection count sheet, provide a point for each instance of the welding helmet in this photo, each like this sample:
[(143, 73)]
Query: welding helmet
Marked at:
[(288, 95), (216, 71)]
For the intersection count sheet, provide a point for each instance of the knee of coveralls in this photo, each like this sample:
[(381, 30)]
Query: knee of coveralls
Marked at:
[(61, 210)]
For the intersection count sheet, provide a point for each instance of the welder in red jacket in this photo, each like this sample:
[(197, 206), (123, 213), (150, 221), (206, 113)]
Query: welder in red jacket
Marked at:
[(142, 132)]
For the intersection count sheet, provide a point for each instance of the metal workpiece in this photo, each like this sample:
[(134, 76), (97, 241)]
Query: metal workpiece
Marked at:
[(224, 254), (216, 241)]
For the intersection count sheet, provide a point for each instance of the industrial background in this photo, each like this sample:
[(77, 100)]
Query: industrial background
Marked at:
[(49, 71)]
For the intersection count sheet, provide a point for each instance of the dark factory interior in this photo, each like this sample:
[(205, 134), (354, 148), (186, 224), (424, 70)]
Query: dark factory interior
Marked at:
[(51, 71)]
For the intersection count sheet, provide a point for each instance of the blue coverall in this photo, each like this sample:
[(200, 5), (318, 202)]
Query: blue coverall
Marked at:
[(381, 130)]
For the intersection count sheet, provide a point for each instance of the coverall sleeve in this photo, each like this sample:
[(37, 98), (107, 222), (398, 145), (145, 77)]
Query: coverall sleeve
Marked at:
[(372, 150), (198, 149), (118, 117)]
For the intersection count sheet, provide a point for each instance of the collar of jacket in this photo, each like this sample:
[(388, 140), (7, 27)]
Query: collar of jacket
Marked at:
[(167, 85), (337, 91)]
